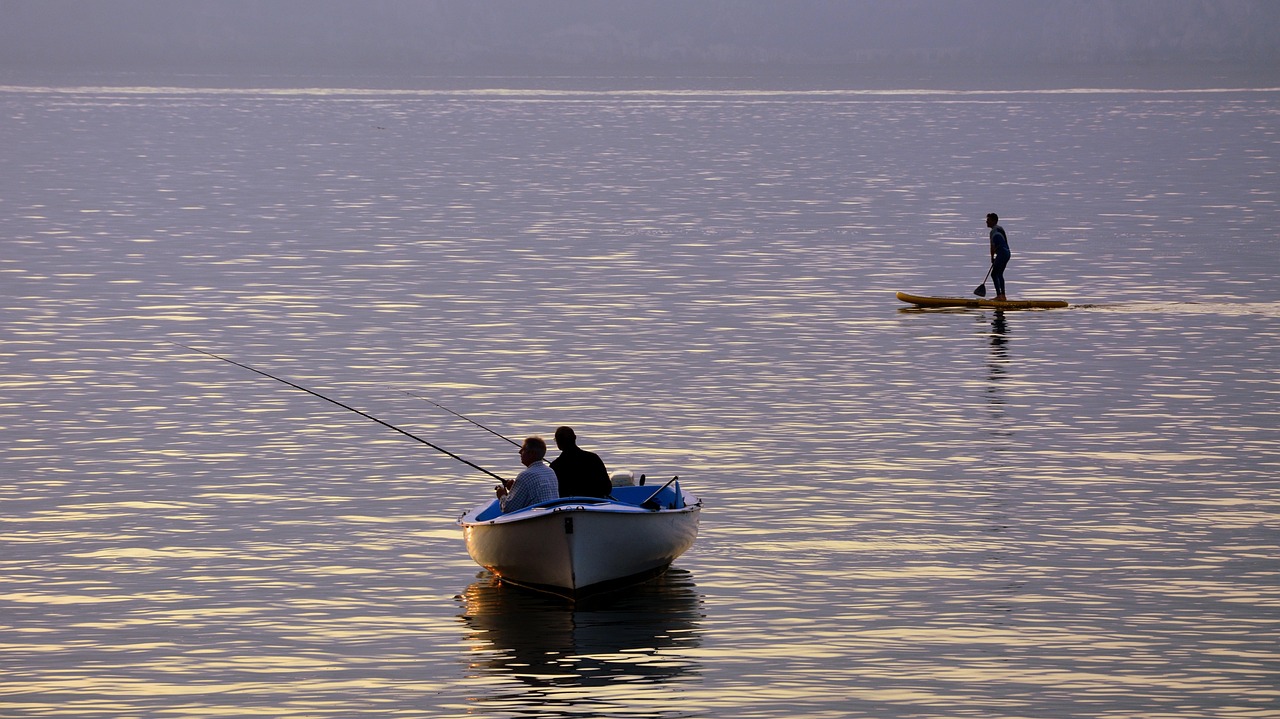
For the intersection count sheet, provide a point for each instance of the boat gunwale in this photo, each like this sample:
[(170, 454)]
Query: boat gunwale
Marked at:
[(585, 505)]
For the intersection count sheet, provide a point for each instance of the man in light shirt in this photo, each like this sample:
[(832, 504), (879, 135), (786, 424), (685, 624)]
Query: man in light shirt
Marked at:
[(537, 483)]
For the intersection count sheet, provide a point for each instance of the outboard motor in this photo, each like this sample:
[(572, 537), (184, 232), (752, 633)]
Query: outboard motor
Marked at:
[(625, 478)]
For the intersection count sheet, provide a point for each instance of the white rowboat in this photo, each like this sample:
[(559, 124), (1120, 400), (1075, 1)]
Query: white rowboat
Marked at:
[(575, 546)]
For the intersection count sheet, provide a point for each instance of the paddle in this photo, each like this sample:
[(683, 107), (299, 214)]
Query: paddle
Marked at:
[(981, 290)]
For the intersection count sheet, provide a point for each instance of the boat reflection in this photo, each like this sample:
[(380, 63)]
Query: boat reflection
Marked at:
[(637, 634)]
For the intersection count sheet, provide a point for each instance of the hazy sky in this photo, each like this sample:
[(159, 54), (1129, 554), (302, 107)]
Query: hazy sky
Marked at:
[(659, 36)]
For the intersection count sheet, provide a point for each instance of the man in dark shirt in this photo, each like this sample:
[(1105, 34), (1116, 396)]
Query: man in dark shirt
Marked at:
[(580, 473), (999, 254)]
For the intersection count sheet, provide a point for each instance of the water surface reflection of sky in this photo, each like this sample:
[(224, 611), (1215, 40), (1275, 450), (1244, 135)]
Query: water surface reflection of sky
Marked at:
[(1069, 513)]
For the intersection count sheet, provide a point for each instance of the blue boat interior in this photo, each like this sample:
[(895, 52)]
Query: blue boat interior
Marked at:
[(667, 497)]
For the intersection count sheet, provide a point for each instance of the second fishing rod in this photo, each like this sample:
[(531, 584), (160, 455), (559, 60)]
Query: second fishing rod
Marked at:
[(349, 408)]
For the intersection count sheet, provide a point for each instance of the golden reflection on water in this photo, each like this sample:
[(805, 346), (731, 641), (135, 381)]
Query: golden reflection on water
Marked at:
[(928, 514)]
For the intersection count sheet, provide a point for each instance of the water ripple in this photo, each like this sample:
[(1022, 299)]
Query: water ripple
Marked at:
[(1068, 513)]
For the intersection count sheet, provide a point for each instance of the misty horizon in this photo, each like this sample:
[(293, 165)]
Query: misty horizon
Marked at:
[(1232, 39)]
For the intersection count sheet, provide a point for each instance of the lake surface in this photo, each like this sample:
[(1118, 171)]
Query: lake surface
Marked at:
[(1066, 513)]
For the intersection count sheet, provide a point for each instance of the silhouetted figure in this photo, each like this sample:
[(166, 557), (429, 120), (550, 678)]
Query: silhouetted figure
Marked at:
[(999, 254), (580, 473)]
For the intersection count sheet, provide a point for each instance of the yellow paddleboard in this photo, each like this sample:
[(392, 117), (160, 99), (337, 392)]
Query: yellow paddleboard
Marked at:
[(981, 302)]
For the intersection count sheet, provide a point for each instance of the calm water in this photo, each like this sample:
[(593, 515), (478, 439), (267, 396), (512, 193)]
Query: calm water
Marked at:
[(1073, 513)]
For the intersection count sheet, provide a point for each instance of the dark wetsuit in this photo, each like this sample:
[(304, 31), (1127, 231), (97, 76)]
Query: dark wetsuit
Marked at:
[(999, 258), (581, 474)]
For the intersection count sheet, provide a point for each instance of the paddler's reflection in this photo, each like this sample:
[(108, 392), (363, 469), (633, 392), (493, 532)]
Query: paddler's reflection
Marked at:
[(999, 336), (633, 634), (999, 340), (997, 366)]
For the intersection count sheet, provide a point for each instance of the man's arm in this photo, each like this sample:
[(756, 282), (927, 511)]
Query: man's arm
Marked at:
[(517, 494)]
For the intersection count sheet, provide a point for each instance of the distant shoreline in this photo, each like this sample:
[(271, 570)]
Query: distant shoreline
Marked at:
[(1196, 76)]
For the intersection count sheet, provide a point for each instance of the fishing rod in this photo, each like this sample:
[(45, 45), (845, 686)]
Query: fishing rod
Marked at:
[(455, 414), (346, 407)]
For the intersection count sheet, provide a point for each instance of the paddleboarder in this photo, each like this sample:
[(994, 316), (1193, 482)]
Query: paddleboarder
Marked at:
[(999, 254)]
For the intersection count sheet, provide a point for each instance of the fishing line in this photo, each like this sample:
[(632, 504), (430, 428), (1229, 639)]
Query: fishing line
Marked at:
[(455, 414), (344, 406)]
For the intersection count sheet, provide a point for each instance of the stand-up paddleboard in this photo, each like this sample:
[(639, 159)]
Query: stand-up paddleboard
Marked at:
[(981, 302)]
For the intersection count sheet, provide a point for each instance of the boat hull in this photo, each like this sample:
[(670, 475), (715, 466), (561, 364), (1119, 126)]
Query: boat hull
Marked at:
[(580, 546), (978, 302)]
